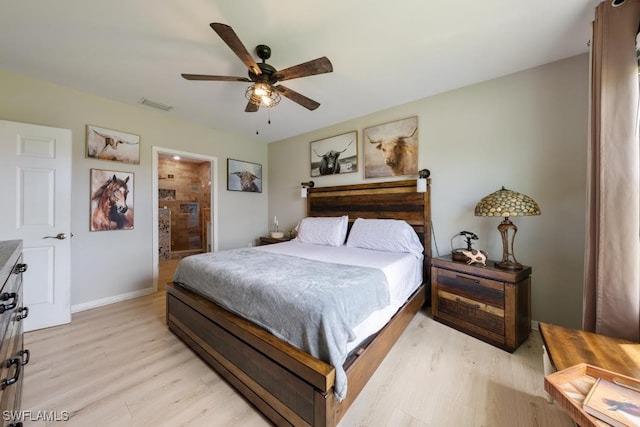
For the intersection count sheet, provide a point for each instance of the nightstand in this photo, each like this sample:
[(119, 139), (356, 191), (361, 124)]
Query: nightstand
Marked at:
[(268, 240), (489, 303)]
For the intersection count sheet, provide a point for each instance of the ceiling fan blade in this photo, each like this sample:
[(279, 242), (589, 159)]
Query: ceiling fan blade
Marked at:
[(251, 107), (215, 78), (232, 40), (309, 68), (307, 103)]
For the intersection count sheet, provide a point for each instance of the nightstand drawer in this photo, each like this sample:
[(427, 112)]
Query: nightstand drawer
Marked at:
[(483, 291), (474, 312)]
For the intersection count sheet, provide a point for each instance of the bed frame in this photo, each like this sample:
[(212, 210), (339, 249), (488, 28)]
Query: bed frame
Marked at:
[(287, 385)]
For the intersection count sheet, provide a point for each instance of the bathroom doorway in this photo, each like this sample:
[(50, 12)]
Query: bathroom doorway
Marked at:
[(185, 209)]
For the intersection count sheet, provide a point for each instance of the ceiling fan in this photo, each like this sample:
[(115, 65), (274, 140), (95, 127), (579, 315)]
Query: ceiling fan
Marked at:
[(264, 92)]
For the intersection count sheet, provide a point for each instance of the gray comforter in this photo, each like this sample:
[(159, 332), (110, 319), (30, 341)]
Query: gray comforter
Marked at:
[(310, 304)]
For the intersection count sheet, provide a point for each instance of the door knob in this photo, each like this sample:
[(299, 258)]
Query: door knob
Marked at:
[(59, 236)]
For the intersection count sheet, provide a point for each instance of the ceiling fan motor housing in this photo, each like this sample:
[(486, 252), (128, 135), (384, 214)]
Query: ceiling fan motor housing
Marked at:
[(268, 73)]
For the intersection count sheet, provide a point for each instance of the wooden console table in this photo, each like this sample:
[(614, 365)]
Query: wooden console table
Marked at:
[(568, 347), (580, 357)]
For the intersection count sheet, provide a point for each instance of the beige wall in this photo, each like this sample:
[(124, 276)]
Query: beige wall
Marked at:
[(526, 131), (109, 264)]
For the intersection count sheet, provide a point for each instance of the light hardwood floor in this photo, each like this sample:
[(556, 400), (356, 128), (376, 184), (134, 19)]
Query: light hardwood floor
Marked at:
[(118, 365)]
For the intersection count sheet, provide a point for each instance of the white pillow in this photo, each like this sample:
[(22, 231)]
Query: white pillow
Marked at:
[(329, 231), (390, 235)]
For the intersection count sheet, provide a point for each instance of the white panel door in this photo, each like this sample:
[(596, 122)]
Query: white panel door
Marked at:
[(35, 171)]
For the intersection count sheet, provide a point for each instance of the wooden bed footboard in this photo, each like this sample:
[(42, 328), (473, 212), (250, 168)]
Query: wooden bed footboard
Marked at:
[(287, 385)]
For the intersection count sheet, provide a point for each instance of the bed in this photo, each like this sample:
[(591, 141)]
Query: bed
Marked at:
[(288, 385)]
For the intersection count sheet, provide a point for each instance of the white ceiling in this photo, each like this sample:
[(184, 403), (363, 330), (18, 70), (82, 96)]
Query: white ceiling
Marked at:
[(384, 53)]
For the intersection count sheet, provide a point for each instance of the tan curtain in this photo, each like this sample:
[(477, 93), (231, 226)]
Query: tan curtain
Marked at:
[(612, 258)]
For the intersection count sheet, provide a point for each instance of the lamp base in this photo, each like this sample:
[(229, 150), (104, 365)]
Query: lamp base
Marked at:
[(508, 265), (509, 261)]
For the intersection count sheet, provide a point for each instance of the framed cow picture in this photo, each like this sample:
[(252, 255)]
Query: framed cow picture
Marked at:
[(391, 149), (334, 155), (244, 176)]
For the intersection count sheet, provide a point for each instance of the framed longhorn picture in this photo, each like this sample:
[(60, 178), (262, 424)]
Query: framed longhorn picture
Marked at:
[(391, 149), (108, 144), (334, 155)]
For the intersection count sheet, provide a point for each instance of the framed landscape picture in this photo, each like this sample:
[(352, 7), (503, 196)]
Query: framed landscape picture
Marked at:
[(244, 176), (391, 149), (334, 155)]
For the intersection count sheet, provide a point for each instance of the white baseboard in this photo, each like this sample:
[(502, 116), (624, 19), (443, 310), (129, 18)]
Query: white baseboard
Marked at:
[(110, 300)]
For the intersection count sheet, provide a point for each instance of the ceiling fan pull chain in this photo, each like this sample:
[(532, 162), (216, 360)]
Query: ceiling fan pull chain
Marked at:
[(269, 117)]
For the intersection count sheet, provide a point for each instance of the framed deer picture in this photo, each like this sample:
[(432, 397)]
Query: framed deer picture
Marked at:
[(337, 154), (391, 149)]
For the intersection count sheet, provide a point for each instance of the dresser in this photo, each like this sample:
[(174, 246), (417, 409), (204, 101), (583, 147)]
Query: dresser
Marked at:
[(13, 357), (486, 302)]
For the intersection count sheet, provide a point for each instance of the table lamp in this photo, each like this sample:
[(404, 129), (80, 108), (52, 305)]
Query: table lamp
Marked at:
[(506, 203)]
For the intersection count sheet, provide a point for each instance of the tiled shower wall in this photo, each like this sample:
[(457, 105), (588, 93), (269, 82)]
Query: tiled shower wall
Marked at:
[(184, 204)]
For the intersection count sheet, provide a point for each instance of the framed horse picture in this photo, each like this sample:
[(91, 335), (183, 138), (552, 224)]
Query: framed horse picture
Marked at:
[(111, 200)]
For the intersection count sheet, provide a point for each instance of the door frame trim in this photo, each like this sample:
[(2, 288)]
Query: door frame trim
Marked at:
[(213, 173)]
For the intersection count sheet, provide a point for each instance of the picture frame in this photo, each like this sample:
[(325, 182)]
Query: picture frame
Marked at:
[(111, 200), (114, 145), (244, 176), (391, 149), (334, 155), (166, 194)]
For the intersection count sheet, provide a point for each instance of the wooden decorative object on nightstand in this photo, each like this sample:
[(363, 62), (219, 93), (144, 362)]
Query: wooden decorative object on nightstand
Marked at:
[(268, 240), (489, 303)]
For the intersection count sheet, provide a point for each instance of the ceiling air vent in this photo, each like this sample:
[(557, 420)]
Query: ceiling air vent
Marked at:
[(154, 104)]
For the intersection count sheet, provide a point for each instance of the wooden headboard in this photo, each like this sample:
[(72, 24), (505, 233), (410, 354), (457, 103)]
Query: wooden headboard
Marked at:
[(392, 200)]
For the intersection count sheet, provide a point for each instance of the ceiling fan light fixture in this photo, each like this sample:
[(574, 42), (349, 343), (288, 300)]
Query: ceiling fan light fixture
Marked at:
[(262, 94), (261, 89)]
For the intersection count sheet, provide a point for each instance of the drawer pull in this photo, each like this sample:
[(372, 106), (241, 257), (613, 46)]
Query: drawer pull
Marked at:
[(9, 381), (6, 296), (468, 279), (23, 313), (22, 353), (20, 268)]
